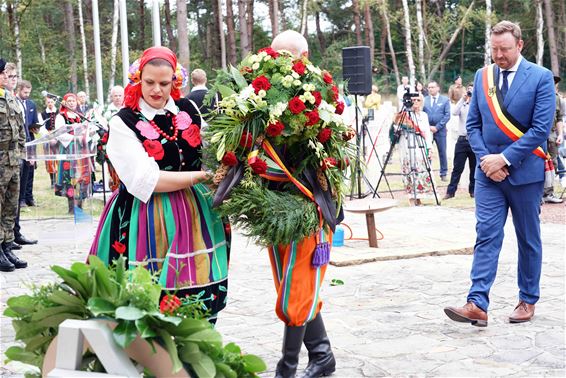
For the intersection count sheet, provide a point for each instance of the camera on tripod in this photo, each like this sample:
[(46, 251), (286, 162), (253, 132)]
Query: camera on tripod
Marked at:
[(408, 97)]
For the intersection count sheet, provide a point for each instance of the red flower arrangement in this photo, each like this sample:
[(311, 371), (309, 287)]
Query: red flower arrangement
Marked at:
[(327, 77), (274, 54), (247, 140), (299, 67), (169, 304), (259, 166), (340, 107), (313, 117), (296, 105), (324, 135), (275, 129), (230, 159), (317, 98), (261, 82)]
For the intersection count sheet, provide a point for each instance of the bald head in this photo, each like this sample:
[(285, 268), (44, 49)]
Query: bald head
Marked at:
[(291, 41)]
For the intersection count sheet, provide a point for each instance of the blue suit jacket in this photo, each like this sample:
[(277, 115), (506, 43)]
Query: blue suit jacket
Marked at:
[(531, 101), (439, 115), (30, 118)]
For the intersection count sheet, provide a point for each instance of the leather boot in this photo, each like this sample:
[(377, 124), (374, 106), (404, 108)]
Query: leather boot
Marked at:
[(15, 260), (321, 360), (292, 342), (5, 264), (71, 203)]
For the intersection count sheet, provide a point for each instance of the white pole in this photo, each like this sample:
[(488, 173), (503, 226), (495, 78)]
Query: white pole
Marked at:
[(97, 56), (156, 24), (124, 40)]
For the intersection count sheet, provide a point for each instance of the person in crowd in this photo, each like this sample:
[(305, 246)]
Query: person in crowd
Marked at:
[(116, 100), (83, 107), (456, 91), (462, 150), (401, 90), (199, 91), (420, 89), (12, 139), (373, 101), (415, 143), (554, 140), (31, 126), (297, 307), (73, 176), (509, 120), (48, 119), (437, 107), (161, 217)]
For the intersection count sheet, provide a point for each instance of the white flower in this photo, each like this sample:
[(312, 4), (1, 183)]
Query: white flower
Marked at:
[(302, 98), (255, 66), (267, 57), (314, 69), (278, 109), (262, 92), (297, 83), (295, 75), (246, 92), (305, 87), (262, 55)]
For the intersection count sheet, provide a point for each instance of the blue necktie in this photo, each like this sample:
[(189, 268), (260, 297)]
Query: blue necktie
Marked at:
[(505, 85)]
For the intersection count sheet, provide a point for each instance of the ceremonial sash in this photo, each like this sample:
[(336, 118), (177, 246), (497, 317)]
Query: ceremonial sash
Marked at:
[(503, 119)]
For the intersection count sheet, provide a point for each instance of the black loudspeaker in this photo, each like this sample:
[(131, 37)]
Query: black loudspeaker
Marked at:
[(356, 69)]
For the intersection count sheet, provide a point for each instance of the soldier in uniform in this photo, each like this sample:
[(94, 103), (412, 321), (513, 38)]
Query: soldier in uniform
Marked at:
[(12, 139)]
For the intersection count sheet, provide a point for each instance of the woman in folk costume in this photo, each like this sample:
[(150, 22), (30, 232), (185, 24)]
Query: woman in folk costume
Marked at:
[(161, 216), (73, 176), (48, 116)]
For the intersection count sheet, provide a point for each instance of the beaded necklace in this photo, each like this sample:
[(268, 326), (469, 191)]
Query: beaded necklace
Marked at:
[(174, 128)]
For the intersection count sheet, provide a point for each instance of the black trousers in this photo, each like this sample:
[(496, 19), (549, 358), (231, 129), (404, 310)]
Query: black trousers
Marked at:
[(462, 151)]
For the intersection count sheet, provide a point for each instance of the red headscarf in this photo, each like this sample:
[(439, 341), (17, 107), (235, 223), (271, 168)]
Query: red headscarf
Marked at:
[(63, 109), (133, 93)]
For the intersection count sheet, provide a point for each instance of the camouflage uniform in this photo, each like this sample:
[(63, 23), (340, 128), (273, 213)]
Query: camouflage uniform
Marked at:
[(12, 139)]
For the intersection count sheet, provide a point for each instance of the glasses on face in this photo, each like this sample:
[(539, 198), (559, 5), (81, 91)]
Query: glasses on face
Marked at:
[(12, 76)]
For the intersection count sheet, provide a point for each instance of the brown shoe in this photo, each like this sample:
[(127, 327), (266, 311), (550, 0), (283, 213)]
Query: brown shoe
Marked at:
[(470, 313), (523, 313)]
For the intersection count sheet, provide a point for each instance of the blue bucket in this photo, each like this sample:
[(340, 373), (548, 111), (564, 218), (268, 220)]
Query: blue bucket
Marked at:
[(338, 237)]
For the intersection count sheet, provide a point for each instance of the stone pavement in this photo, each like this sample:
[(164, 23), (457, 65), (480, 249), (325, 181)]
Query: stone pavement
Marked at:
[(386, 319)]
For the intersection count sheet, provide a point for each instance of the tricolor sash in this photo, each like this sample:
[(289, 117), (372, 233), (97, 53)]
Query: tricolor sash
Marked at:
[(503, 119)]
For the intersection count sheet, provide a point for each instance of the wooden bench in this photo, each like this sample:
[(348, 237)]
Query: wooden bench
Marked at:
[(370, 206)]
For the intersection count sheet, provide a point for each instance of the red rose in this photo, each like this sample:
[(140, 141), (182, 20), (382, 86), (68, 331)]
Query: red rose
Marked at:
[(119, 247), (247, 140), (261, 82), (328, 162), (154, 149), (335, 93), (324, 135), (192, 135), (275, 129), (299, 67), (296, 105), (339, 107), (317, 98), (169, 304), (66, 165), (313, 117), (230, 159), (274, 54), (327, 77), (259, 166)]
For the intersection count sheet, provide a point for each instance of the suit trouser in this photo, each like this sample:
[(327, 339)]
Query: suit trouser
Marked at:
[(297, 282), (440, 140), (492, 203), (462, 151)]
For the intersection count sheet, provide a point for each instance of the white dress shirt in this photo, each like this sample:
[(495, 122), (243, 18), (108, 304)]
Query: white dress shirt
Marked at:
[(511, 75)]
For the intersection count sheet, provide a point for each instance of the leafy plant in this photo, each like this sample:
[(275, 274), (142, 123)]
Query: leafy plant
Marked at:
[(131, 299)]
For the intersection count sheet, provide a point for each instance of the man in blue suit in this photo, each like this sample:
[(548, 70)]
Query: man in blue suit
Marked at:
[(437, 108), (509, 120)]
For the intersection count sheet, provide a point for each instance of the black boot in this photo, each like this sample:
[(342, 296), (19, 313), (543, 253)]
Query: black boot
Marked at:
[(15, 260), (321, 360), (292, 342), (5, 264), (71, 203)]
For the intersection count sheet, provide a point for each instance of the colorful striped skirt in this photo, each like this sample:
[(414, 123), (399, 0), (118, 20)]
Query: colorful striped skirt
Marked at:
[(176, 236)]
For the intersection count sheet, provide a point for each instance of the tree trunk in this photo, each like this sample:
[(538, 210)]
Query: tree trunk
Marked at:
[(114, 43), (320, 34), (462, 50), (304, 17), (222, 36), (408, 43), (183, 37), (274, 17), (244, 38), (554, 65), (168, 27), (141, 40), (83, 42), (540, 26), (284, 20), (421, 38), (17, 39), (232, 51), (383, 53), (448, 46), (370, 38), (250, 23), (357, 22), (385, 14), (487, 46), (69, 21)]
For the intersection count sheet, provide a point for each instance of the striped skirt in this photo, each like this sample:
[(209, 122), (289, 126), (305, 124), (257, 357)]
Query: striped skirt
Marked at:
[(176, 236)]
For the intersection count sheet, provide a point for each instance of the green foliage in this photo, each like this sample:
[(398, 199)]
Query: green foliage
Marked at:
[(131, 300)]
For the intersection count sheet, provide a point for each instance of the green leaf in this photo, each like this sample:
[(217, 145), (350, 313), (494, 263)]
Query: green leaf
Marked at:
[(253, 364), (44, 313), (233, 348), (11, 313), (172, 349), (16, 353), (37, 342), (55, 320), (71, 278), (225, 370), (25, 329), (204, 367), (145, 329), (238, 78), (79, 268), (23, 304), (189, 352), (187, 327), (336, 282), (125, 333), (129, 313), (100, 306), (207, 336), (166, 318), (225, 91), (64, 298)]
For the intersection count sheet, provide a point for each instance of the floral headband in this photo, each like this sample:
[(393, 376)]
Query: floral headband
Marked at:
[(180, 76)]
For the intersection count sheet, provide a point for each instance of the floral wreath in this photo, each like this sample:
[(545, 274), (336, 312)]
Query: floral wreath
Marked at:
[(180, 76)]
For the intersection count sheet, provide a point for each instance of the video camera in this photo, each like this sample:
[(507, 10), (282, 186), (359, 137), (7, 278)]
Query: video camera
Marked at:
[(408, 97)]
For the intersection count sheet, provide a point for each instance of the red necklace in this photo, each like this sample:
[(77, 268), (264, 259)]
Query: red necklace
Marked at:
[(175, 128)]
